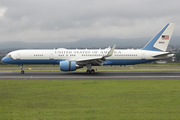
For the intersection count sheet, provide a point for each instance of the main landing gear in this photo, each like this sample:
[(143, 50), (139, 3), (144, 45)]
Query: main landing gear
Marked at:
[(89, 69), (22, 71)]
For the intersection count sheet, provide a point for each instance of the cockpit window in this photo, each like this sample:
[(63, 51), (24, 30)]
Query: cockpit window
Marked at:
[(8, 55)]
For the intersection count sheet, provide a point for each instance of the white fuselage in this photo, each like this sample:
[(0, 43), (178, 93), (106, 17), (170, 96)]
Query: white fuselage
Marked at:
[(78, 54)]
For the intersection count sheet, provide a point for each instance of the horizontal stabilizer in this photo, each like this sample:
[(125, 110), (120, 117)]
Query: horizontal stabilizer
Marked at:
[(164, 53)]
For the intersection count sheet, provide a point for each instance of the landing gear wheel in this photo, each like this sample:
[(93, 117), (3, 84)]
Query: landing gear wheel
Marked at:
[(22, 72), (88, 71), (92, 71)]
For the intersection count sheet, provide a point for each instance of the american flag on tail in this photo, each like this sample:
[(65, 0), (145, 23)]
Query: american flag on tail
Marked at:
[(165, 37)]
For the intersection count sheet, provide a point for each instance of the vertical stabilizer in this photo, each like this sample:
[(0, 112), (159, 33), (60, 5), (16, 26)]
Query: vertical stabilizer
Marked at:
[(161, 40)]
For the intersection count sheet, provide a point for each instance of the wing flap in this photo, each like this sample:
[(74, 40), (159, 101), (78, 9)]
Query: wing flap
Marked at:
[(88, 59)]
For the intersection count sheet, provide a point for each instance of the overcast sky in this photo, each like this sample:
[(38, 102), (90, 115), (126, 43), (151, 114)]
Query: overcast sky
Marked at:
[(72, 20)]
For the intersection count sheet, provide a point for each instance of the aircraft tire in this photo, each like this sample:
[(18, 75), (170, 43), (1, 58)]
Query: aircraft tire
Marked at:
[(22, 72), (88, 72), (92, 71)]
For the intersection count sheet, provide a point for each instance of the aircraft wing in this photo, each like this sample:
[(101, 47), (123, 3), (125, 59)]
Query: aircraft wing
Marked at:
[(96, 60), (110, 53)]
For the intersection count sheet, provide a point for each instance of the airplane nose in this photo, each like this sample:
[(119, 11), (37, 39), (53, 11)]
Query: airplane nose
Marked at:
[(6, 60), (3, 60)]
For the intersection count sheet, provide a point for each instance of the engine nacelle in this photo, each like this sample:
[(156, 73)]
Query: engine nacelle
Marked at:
[(68, 66)]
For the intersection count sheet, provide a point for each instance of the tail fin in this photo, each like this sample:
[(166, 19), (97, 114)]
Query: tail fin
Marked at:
[(161, 40)]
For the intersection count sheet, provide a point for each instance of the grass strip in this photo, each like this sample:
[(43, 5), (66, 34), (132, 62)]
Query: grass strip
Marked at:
[(90, 99)]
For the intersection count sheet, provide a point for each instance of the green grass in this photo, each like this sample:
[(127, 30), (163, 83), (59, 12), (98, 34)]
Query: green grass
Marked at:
[(90, 100)]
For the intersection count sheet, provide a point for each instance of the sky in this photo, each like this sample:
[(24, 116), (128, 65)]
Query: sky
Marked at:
[(73, 20)]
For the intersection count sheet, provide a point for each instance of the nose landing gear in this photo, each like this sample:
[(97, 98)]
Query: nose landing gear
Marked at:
[(22, 71)]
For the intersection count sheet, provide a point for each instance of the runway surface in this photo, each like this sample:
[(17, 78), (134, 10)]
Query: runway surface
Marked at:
[(162, 75)]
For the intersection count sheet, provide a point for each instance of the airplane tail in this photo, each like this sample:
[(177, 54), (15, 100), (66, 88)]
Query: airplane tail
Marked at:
[(161, 40)]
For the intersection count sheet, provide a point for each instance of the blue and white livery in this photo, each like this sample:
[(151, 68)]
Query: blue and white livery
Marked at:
[(72, 59)]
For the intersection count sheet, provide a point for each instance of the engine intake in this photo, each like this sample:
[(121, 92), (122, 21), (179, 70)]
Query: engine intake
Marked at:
[(68, 66)]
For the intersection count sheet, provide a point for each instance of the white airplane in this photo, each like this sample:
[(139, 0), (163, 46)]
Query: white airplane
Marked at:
[(72, 59)]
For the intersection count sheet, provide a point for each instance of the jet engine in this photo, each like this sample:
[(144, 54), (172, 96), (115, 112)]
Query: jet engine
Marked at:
[(68, 66)]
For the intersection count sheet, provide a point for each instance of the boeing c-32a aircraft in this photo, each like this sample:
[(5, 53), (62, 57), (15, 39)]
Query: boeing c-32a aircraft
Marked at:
[(72, 59)]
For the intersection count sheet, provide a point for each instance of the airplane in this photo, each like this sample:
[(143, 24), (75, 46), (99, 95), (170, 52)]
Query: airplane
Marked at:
[(72, 59)]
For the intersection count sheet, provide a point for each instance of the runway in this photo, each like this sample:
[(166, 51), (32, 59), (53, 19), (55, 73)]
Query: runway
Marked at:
[(137, 75)]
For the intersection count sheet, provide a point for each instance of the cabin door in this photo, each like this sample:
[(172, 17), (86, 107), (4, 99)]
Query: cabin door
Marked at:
[(18, 56), (51, 56), (143, 56)]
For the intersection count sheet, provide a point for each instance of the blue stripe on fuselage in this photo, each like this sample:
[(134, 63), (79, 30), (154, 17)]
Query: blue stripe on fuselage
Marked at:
[(125, 62), (9, 60)]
